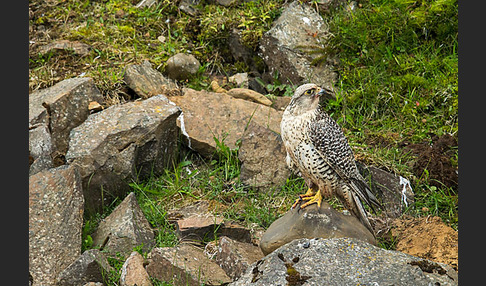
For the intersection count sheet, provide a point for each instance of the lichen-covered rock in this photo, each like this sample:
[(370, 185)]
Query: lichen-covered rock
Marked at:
[(122, 143), (91, 266), (311, 222), (299, 26), (344, 261), (61, 108), (55, 222), (234, 257), (146, 81), (185, 264), (133, 272), (125, 228), (40, 149)]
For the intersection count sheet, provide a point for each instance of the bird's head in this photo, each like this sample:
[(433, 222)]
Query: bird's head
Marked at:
[(306, 98)]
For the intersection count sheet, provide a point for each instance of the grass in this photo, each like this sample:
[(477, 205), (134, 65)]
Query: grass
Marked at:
[(121, 34)]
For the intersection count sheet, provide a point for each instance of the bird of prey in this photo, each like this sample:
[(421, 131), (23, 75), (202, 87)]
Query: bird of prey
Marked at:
[(318, 149)]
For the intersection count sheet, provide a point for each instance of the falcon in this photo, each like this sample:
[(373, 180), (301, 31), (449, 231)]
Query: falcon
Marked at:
[(317, 148)]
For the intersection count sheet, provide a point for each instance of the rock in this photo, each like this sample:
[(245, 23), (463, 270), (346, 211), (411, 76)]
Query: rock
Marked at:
[(234, 257), (281, 102), (91, 266), (184, 265), (299, 25), (55, 222), (226, 3), (216, 87), (242, 53), (428, 238), (78, 48), (61, 108), (94, 106), (235, 231), (189, 6), (196, 224), (394, 192), (344, 261), (94, 284), (41, 163), (207, 115), (262, 155), (40, 149), (125, 228), (312, 222), (198, 227), (145, 3), (182, 66), (251, 95), (124, 142), (239, 79), (146, 81), (133, 273)]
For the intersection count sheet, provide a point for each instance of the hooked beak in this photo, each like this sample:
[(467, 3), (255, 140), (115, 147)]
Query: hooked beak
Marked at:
[(326, 92), (322, 92)]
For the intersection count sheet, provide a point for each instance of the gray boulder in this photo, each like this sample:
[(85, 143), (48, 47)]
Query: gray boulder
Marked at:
[(312, 222), (146, 81), (262, 155), (182, 66), (208, 114), (125, 228), (60, 108), (283, 47), (55, 222), (344, 261), (122, 143), (91, 266)]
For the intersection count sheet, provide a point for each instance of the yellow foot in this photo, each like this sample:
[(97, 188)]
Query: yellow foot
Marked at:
[(308, 194), (317, 198)]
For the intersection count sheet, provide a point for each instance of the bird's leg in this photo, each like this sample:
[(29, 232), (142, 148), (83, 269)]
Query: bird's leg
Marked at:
[(317, 198)]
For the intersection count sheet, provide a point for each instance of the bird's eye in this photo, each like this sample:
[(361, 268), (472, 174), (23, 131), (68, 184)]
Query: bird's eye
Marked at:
[(309, 91)]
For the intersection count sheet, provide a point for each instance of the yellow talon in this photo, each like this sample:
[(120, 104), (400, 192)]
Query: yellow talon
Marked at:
[(317, 198), (305, 196)]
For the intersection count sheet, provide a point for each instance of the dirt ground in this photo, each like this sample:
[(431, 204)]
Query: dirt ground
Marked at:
[(427, 237), (437, 158)]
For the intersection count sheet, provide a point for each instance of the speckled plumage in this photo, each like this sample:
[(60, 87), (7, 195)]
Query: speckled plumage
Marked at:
[(317, 147)]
